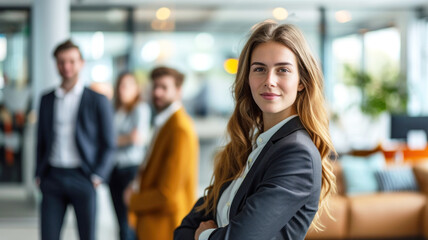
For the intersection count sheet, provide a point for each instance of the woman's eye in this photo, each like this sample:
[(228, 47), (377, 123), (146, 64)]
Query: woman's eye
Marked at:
[(258, 69), (284, 70)]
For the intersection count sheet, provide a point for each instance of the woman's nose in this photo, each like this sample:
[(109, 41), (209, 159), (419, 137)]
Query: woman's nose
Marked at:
[(270, 80)]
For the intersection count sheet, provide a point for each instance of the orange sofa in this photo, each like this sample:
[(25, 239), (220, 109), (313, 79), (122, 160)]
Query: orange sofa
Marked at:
[(381, 215)]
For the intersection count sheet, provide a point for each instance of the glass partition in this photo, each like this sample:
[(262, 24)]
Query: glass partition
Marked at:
[(14, 91)]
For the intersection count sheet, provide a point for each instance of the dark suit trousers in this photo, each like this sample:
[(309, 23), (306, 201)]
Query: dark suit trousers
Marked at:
[(60, 188), (119, 180)]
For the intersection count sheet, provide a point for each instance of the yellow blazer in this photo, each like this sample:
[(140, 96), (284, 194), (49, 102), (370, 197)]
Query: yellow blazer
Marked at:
[(168, 183)]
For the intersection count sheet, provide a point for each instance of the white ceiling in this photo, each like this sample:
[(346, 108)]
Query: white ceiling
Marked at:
[(238, 15), (255, 4)]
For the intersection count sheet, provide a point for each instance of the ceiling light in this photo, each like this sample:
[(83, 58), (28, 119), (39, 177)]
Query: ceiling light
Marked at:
[(280, 13), (343, 16), (163, 13)]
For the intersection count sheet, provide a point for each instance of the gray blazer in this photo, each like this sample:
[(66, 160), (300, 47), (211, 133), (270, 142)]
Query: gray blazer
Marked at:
[(132, 155), (279, 196)]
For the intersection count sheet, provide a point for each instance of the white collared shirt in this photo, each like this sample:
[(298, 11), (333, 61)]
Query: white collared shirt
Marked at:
[(163, 116), (226, 198), (64, 150)]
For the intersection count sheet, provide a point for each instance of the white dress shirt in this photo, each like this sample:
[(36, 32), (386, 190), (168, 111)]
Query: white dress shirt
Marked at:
[(163, 116), (64, 150), (226, 198)]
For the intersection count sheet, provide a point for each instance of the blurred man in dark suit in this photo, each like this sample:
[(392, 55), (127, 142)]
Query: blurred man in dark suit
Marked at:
[(75, 143)]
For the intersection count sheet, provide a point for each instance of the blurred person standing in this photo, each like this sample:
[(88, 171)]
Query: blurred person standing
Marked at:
[(75, 144), (274, 174), (132, 126), (165, 188)]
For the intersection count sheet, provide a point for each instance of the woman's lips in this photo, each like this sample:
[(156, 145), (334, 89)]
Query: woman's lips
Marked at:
[(269, 96)]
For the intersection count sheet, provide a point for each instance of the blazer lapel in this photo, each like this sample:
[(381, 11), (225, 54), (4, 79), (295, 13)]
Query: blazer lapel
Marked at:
[(82, 101), (79, 120), (50, 114), (243, 189), (291, 126)]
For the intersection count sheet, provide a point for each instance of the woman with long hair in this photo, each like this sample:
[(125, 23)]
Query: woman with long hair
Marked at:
[(132, 123), (272, 179)]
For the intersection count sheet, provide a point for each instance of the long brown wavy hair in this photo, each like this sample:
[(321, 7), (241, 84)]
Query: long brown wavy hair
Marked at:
[(247, 121), (117, 100)]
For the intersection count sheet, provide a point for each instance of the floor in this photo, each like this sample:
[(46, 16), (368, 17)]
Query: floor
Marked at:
[(19, 219)]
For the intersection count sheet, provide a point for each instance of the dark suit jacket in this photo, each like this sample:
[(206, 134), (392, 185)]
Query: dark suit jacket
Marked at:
[(279, 196), (94, 134)]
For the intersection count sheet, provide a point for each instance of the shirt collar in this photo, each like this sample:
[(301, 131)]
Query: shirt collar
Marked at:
[(76, 90), (265, 136), (163, 116)]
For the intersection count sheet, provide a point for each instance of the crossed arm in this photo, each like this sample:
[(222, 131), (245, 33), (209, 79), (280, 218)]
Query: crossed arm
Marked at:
[(286, 186)]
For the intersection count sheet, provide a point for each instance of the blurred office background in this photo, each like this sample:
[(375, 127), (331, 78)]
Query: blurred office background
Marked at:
[(374, 56)]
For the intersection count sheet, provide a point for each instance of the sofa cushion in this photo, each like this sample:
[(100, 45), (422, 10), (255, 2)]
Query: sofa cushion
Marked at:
[(340, 182), (359, 173), (425, 222), (421, 173), (396, 179), (387, 215), (333, 229)]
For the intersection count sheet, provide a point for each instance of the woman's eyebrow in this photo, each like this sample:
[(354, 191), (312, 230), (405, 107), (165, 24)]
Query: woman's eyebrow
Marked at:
[(258, 63), (276, 64)]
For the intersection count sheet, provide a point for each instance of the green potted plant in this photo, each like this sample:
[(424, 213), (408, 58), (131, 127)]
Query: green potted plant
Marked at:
[(388, 93)]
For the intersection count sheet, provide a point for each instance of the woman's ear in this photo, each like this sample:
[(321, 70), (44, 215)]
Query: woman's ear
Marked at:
[(300, 87)]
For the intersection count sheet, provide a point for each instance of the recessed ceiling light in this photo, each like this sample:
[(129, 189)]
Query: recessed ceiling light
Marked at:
[(343, 16), (280, 13), (163, 13)]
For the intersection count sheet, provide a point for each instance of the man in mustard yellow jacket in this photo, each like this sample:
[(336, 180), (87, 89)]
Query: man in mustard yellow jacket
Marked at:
[(165, 189)]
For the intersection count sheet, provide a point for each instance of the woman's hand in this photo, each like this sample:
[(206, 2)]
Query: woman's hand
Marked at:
[(135, 137), (129, 139), (127, 195), (204, 226)]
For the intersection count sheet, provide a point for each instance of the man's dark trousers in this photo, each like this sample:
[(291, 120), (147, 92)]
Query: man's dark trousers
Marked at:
[(63, 187)]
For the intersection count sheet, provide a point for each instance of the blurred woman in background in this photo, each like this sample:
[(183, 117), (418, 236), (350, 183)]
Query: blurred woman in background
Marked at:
[(132, 125)]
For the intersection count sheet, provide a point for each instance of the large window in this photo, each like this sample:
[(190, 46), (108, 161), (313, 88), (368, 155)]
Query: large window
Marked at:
[(347, 51), (418, 67), (105, 41), (367, 81), (382, 52)]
